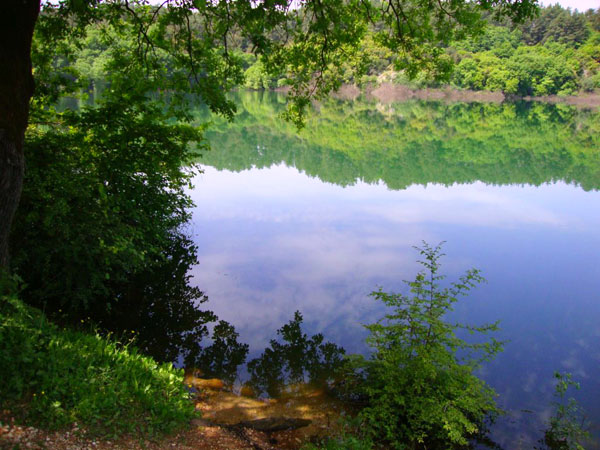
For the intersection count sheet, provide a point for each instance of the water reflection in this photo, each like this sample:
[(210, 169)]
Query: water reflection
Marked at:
[(273, 237), (294, 360), (414, 142)]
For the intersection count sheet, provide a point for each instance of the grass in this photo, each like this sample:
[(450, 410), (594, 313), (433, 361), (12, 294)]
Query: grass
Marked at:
[(53, 377)]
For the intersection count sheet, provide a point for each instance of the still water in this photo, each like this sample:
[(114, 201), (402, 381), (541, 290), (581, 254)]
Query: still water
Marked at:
[(316, 220)]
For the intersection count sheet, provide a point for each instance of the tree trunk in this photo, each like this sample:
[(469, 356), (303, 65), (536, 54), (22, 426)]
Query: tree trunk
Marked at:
[(17, 21)]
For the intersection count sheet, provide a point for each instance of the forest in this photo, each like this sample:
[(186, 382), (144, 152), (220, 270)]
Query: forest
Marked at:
[(97, 303), (556, 53)]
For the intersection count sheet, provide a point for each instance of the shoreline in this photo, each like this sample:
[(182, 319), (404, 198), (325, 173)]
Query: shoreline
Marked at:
[(390, 93)]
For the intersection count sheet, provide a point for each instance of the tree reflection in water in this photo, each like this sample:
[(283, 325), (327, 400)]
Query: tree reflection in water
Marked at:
[(298, 359)]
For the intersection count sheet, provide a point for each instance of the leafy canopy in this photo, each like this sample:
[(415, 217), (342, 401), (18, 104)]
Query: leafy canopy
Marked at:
[(187, 45)]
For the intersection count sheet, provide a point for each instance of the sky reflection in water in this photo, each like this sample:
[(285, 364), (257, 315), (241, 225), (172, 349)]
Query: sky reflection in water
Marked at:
[(274, 240)]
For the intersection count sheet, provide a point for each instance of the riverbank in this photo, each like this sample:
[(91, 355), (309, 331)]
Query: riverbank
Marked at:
[(388, 93)]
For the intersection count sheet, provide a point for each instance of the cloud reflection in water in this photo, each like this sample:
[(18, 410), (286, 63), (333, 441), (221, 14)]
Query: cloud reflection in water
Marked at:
[(272, 241)]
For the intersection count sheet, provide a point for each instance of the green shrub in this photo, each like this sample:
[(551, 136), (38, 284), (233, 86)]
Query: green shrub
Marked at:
[(55, 377), (419, 384), (100, 230), (257, 77)]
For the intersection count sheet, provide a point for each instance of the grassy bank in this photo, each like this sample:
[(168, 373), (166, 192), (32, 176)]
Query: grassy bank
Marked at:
[(52, 377)]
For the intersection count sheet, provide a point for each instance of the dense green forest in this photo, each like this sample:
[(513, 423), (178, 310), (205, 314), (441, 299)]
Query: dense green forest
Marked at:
[(558, 52), (414, 142)]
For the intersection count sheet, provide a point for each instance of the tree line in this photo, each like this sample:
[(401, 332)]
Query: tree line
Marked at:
[(557, 52)]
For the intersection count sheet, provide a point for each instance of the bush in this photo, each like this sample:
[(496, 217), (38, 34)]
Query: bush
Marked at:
[(54, 377), (257, 77), (100, 231), (419, 384)]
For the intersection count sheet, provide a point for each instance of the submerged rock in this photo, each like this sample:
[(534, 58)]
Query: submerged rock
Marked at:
[(247, 391), (270, 424), (192, 379)]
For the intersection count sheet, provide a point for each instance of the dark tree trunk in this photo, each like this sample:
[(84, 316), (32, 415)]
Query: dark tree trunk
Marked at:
[(17, 20)]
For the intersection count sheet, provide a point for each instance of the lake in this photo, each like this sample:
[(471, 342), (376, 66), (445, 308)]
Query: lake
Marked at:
[(316, 220)]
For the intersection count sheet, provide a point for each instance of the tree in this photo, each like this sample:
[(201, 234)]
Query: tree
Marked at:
[(308, 42), (593, 17), (558, 24), (17, 21), (419, 384)]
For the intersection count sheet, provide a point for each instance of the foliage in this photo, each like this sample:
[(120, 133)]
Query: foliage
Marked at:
[(554, 53), (419, 383), (258, 78), (65, 376), (593, 17), (351, 437), (100, 224), (555, 23), (567, 428), (197, 47), (526, 71), (297, 360)]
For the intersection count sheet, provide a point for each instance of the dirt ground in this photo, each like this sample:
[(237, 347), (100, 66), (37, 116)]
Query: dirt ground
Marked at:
[(216, 429)]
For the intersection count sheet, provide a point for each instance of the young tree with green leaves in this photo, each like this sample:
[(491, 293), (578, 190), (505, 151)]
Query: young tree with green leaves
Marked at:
[(420, 386)]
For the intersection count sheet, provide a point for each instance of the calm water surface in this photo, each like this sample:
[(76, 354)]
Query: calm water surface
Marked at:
[(315, 221)]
